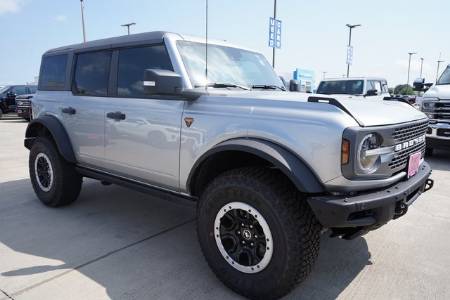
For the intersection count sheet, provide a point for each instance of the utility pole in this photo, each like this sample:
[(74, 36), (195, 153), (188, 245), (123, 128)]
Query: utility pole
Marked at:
[(350, 27), (275, 17), (82, 21), (421, 67), (409, 64), (437, 71), (128, 25)]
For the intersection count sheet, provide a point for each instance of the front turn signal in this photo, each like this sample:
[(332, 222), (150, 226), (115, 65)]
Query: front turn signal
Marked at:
[(345, 152)]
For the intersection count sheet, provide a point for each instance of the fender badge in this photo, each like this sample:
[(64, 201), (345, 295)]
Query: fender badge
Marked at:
[(188, 121)]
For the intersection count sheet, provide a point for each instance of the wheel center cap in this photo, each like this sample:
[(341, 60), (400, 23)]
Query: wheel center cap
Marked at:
[(246, 234)]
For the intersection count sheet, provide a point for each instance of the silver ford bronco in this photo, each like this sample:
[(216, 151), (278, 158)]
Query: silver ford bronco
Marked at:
[(269, 169)]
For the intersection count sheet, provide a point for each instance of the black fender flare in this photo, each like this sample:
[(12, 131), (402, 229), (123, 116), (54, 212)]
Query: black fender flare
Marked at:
[(295, 168), (57, 131)]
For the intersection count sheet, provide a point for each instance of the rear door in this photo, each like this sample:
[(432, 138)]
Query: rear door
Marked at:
[(142, 134), (83, 110)]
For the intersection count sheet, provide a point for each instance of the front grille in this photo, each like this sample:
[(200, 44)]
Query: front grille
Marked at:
[(440, 110), (409, 132), (406, 134)]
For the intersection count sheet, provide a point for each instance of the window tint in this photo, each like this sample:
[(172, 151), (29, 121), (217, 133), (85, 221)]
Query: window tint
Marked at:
[(133, 62), (53, 72), (92, 73), (20, 90), (445, 77)]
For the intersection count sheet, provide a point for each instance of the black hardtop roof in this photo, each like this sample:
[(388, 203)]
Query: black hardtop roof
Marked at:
[(150, 37)]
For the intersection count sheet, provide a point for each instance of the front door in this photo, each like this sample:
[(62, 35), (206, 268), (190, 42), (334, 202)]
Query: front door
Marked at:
[(142, 134)]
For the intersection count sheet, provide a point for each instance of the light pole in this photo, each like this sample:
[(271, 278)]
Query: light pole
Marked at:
[(324, 74), (274, 17), (128, 25), (437, 71), (409, 64), (350, 27), (421, 67), (82, 20)]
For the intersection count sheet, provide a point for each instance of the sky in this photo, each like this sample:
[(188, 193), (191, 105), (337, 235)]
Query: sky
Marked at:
[(314, 35)]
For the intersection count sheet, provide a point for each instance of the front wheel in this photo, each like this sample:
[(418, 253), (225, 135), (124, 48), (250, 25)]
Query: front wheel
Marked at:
[(55, 181), (257, 233)]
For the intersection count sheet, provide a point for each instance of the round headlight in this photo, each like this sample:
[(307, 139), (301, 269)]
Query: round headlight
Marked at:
[(368, 162)]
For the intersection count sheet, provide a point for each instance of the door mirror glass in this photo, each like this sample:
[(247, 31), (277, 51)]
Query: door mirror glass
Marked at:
[(162, 82)]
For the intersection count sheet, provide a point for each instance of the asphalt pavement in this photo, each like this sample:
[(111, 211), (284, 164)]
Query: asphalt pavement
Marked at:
[(115, 243)]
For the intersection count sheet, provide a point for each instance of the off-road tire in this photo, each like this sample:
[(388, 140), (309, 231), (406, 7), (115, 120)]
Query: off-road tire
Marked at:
[(67, 182), (428, 151), (294, 228)]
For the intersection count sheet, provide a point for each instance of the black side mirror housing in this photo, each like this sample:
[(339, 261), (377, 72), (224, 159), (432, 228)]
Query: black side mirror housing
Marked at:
[(419, 84), (372, 93), (10, 95), (162, 82), (294, 86)]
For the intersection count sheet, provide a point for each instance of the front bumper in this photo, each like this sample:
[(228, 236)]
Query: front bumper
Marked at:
[(369, 210), (438, 134), (23, 111)]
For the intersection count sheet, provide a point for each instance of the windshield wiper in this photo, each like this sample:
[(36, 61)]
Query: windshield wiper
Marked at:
[(268, 87), (224, 85)]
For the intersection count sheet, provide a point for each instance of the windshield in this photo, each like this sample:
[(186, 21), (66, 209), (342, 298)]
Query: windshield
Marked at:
[(445, 77), (226, 65), (350, 87)]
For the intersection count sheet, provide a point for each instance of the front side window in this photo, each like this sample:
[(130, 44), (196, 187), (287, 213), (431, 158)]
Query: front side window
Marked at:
[(53, 72), (346, 87), (132, 64), (19, 90), (445, 77), (226, 65), (375, 85), (92, 74)]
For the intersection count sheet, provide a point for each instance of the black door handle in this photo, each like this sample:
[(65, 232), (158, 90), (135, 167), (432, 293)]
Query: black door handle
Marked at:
[(68, 110), (116, 115)]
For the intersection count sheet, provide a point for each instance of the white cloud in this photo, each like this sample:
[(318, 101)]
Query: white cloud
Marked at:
[(60, 18), (10, 6)]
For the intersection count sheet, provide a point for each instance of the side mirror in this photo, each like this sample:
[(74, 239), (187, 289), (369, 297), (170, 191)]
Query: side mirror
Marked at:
[(372, 93), (419, 84), (162, 82), (10, 95), (294, 86)]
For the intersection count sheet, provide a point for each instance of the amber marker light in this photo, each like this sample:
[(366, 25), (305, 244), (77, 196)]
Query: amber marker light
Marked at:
[(345, 152)]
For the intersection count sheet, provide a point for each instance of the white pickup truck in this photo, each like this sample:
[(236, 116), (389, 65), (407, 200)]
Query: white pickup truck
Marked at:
[(355, 87)]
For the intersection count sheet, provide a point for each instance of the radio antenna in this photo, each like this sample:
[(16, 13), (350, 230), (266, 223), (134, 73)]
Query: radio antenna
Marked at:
[(206, 46)]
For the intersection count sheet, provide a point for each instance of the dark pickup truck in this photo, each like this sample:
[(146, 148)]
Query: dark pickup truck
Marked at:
[(8, 96)]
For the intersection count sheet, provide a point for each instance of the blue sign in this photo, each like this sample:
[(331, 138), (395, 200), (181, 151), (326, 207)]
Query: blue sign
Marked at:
[(274, 33)]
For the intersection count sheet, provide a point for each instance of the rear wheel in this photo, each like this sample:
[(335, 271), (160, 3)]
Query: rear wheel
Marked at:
[(54, 180), (257, 233)]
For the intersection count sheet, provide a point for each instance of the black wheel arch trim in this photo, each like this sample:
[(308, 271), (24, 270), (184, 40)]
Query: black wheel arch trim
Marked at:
[(57, 131), (294, 167)]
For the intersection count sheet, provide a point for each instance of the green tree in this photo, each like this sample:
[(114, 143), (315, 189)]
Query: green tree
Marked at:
[(403, 89)]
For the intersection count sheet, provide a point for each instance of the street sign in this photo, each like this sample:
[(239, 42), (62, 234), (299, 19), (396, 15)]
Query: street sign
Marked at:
[(274, 33), (349, 55)]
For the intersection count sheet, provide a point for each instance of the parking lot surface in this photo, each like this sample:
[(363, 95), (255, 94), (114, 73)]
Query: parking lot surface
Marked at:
[(121, 244)]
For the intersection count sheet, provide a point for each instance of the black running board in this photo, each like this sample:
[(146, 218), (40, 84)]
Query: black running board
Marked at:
[(130, 183)]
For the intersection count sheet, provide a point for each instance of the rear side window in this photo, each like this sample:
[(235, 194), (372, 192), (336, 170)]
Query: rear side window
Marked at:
[(92, 74), (53, 72), (132, 64)]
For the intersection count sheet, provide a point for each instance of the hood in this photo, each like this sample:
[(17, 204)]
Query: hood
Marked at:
[(439, 91), (367, 112)]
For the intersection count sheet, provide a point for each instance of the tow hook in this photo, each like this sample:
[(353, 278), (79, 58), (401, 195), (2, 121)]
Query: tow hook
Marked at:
[(428, 185)]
